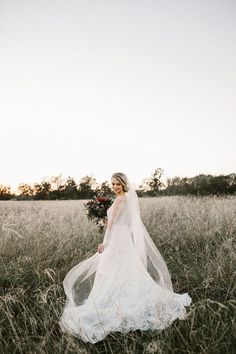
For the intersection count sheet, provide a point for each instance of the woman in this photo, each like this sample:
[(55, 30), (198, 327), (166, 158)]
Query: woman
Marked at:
[(126, 284)]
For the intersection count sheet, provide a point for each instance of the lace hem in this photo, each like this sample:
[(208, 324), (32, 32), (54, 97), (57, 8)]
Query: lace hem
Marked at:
[(93, 327)]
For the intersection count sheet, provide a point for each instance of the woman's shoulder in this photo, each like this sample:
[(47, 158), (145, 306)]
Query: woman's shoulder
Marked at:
[(120, 199)]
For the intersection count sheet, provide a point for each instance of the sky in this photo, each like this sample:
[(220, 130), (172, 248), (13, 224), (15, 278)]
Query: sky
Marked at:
[(95, 87)]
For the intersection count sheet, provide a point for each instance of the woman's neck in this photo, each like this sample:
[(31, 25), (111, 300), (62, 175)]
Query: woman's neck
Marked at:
[(121, 194)]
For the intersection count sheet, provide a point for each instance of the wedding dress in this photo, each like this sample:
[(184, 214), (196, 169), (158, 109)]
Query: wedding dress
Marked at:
[(126, 287)]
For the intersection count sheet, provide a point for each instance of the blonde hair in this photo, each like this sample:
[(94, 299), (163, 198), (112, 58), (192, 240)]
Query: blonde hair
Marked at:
[(121, 177)]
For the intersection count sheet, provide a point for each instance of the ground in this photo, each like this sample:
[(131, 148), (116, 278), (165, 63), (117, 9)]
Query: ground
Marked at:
[(41, 241)]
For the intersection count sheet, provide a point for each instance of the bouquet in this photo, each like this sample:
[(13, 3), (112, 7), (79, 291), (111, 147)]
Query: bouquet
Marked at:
[(96, 210)]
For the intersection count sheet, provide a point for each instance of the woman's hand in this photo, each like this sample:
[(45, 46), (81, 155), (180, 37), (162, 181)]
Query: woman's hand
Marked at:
[(100, 248), (105, 222)]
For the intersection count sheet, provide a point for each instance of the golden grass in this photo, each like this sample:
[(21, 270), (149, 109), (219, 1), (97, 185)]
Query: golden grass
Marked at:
[(41, 241)]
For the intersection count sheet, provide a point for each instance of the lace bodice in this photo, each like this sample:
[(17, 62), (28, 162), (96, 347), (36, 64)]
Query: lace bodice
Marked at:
[(118, 213)]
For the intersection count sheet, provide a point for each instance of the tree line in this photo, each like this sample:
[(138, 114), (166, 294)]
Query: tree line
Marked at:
[(87, 188)]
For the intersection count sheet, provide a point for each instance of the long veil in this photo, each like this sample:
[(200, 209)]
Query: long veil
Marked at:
[(79, 280), (144, 245)]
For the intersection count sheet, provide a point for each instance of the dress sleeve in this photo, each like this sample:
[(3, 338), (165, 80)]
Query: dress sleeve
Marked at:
[(115, 211), (114, 215), (106, 238)]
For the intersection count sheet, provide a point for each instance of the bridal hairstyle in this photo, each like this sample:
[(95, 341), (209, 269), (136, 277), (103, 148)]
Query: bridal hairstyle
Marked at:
[(121, 177)]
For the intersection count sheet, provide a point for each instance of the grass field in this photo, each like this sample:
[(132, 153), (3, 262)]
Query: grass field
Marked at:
[(41, 241)]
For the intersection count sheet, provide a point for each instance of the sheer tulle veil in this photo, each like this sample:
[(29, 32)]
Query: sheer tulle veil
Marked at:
[(79, 280), (143, 243), (127, 286)]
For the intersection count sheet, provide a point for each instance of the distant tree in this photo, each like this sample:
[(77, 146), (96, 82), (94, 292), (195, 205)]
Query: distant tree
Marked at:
[(26, 192), (86, 187), (140, 191), (56, 182), (220, 185), (201, 185), (178, 186), (104, 190), (57, 187), (152, 185), (69, 190), (217, 185), (41, 190), (231, 183), (5, 192)]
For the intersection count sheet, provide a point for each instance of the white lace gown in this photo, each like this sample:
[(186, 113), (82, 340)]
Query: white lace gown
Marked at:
[(113, 291)]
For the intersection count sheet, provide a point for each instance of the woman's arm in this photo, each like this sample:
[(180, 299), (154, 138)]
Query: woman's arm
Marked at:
[(105, 241), (115, 213)]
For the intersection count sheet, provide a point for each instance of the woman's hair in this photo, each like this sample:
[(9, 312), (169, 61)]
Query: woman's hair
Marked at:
[(121, 177)]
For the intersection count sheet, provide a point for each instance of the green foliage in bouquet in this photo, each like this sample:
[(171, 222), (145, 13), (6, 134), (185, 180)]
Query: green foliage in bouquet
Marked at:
[(97, 210)]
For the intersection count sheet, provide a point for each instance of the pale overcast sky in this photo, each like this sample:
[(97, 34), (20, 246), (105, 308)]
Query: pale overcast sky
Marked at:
[(100, 86)]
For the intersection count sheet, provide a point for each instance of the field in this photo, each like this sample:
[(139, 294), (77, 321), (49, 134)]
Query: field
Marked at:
[(41, 241)]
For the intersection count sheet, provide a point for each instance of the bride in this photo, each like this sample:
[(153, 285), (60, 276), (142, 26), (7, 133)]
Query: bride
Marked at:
[(124, 286)]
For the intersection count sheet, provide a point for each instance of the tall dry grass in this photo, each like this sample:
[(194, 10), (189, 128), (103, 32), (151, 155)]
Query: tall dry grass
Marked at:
[(41, 241)]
